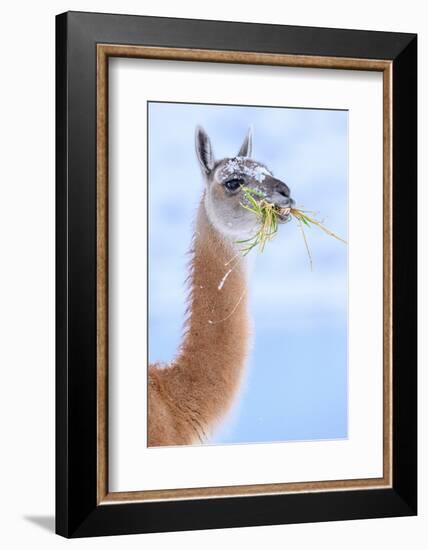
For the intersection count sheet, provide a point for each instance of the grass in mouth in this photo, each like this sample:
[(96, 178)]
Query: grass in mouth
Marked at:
[(268, 215)]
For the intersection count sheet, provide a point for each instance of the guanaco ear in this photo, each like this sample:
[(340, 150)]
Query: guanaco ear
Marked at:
[(247, 146), (204, 150)]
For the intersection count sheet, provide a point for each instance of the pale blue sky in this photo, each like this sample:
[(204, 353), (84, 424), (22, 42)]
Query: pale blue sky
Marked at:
[(296, 383)]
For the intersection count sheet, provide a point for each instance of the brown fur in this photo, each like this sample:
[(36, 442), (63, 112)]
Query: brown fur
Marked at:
[(187, 398)]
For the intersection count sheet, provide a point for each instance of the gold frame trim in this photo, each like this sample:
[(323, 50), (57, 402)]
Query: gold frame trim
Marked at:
[(104, 51)]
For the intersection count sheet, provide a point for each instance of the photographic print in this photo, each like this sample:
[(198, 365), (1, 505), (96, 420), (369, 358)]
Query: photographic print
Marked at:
[(247, 274), (238, 330), (233, 244)]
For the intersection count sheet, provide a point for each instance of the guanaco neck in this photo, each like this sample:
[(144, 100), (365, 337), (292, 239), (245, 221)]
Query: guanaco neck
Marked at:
[(205, 375)]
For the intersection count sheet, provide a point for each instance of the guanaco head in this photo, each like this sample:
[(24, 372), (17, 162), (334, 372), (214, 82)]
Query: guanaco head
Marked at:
[(226, 180)]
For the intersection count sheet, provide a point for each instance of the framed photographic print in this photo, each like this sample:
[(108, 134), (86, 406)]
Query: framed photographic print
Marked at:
[(236, 274)]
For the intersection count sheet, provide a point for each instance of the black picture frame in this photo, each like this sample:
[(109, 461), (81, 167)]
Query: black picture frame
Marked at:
[(77, 511)]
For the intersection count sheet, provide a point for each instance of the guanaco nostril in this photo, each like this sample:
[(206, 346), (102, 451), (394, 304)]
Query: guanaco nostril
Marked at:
[(284, 193)]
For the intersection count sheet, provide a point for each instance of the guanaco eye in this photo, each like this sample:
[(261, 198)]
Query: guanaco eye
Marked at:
[(234, 184)]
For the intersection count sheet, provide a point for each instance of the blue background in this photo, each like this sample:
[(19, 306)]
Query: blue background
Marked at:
[(296, 382)]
